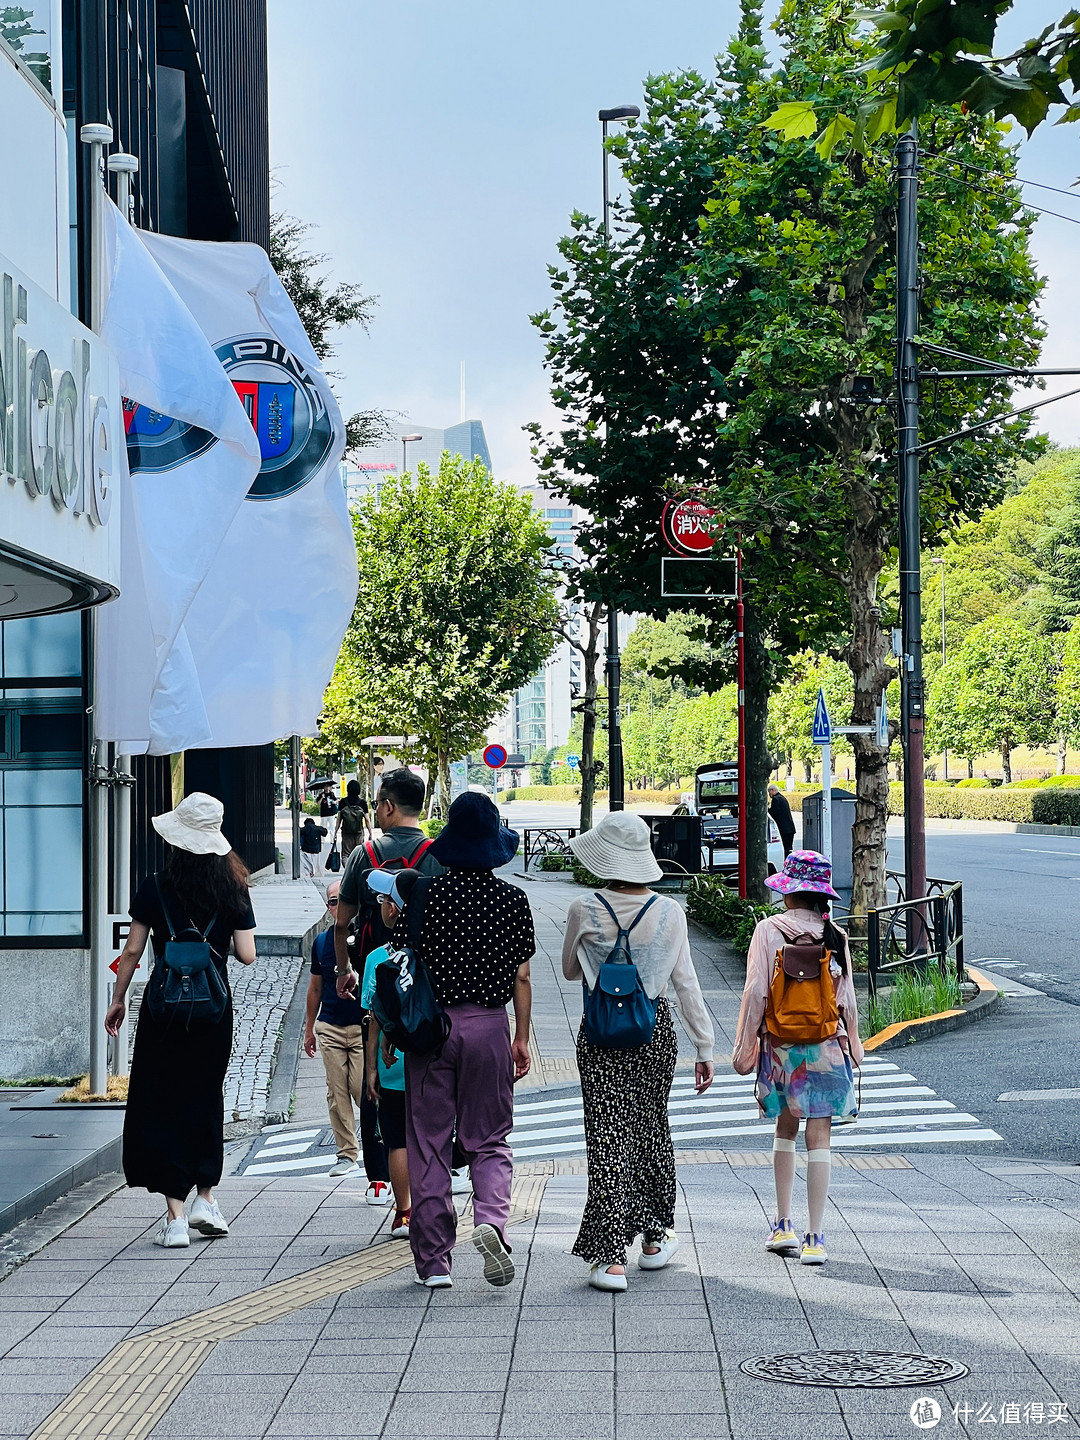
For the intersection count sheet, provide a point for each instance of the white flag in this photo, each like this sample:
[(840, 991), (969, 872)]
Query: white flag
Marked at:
[(192, 457), (265, 627)]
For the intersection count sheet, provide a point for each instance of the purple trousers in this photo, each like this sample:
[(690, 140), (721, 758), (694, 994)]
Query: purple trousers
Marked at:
[(471, 1084)]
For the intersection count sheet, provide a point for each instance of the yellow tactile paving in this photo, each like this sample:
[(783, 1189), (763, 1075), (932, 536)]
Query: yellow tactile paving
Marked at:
[(125, 1396)]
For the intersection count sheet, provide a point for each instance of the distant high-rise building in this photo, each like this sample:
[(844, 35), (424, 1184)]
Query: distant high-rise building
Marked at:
[(374, 465)]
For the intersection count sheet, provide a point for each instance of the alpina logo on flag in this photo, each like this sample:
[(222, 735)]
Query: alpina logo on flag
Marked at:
[(260, 640)]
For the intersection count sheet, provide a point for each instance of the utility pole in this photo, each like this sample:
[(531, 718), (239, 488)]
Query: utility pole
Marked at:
[(912, 701), (616, 783)]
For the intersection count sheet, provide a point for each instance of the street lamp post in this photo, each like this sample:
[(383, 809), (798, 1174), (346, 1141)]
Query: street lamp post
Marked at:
[(616, 783), (406, 441), (940, 560)]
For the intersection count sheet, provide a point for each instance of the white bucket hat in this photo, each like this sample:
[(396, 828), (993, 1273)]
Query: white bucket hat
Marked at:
[(618, 848), (195, 825)]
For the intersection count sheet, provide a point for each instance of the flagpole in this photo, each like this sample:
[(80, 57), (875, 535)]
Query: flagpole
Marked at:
[(124, 167), (97, 137)]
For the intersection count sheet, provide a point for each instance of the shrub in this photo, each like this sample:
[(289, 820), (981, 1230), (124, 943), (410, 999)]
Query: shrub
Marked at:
[(586, 877), (432, 828), (958, 803), (310, 807), (712, 904), (564, 794), (1055, 807), (554, 861), (971, 784)]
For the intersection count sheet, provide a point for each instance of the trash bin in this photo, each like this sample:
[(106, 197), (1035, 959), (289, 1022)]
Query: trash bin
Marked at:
[(843, 822)]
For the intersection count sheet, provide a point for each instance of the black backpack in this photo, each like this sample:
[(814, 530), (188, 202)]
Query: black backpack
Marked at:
[(368, 930), (352, 819), (186, 984), (404, 1004)]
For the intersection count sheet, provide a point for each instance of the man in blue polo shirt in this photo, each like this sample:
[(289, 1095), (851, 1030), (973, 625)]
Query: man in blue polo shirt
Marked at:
[(334, 1025)]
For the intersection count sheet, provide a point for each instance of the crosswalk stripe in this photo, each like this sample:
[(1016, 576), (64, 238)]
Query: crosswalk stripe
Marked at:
[(287, 1135), (297, 1149), (279, 1167)]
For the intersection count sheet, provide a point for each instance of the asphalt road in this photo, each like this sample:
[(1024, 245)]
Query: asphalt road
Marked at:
[(1022, 921)]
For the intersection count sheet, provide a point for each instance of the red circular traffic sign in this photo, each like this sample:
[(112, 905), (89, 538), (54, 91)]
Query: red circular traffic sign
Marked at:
[(688, 527), (495, 757)]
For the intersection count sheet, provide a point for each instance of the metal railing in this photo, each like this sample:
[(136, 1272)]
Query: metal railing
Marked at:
[(921, 932), (547, 840)]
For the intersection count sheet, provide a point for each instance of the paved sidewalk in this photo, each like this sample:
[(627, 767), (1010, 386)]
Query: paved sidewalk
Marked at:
[(348, 1346)]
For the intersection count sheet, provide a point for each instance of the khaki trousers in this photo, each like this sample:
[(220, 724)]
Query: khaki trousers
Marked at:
[(342, 1051)]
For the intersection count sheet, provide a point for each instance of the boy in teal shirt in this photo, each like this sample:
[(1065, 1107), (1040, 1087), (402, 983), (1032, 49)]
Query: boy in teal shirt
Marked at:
[(386, 1079)]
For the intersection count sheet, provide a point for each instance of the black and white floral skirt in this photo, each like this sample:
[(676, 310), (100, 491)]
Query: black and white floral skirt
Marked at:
[(628, 1143)]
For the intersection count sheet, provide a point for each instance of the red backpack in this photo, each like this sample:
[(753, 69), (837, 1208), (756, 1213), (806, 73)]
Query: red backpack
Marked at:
[(368, 930)]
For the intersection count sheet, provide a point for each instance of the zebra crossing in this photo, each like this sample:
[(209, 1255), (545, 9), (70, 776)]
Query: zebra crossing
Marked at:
[(896, 1110)]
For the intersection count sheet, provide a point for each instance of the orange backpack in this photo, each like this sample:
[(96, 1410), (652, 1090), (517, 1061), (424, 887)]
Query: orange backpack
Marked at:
[(800, 1008)]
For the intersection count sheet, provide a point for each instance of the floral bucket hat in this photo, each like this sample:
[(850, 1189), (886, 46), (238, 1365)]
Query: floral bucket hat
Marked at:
[(804, 870)]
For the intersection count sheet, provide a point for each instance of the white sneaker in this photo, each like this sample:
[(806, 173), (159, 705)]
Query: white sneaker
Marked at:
[(207, 1219), (498, 1265), (344, 1166), (378, 1193), (434, 1282), (173, 1234), (461, 1181), (601, 1278), (668, 1246)]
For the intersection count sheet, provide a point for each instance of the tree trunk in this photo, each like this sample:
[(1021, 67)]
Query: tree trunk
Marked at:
[(971, 769), (869, 660), (758, 758), (809, 769), (444, 782), (1063, 749), (1006, 763)]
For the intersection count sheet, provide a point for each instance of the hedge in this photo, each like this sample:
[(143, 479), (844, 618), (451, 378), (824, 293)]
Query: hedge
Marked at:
[(571, 794), (1053, 806)]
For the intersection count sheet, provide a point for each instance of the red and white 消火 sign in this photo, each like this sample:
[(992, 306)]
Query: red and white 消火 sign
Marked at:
[(689, 527)]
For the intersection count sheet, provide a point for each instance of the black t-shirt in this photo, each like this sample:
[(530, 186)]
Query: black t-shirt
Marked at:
[(147, 908)]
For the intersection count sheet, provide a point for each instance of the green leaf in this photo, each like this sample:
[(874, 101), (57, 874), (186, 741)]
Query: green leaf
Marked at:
[(838, 127), (795, 119)]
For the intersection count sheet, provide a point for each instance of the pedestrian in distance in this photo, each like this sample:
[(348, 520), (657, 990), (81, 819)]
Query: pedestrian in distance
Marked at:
[(311, 838), (353, 822), (385, 1069), (193, 909), (358, 928), (799, 1031), (476, 940), (780, 811), (626, 944), (334, 1027)]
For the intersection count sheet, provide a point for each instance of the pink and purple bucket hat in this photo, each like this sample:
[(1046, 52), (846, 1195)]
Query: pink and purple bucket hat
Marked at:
[(804, 870)]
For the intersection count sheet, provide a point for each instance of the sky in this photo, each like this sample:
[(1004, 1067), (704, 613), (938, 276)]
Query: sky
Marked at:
[(438, 148)]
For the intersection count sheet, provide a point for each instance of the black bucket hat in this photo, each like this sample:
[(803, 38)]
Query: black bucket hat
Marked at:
[(474, 837)]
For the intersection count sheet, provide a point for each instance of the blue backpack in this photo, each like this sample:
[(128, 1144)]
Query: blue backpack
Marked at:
[(617, 1013)]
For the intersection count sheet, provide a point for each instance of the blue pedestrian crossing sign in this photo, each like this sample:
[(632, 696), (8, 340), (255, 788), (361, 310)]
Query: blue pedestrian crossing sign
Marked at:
[(822, 731), (573, 761)]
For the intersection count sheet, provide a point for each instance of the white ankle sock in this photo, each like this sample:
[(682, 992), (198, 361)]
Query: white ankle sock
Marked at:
[(783, 1160), (818, 1170)]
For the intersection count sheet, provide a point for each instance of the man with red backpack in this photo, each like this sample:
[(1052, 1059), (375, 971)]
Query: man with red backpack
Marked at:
[(359, 929)]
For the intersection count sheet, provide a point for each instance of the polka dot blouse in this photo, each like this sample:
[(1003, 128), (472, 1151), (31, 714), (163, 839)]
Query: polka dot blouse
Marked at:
[(477, 930)]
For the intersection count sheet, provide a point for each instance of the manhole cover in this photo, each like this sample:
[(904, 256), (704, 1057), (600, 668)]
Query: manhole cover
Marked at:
[(854, 1369)]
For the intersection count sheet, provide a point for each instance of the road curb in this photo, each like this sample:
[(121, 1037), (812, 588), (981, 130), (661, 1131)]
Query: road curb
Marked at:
[(1027, 828), (909, 1032), (287, 1057)]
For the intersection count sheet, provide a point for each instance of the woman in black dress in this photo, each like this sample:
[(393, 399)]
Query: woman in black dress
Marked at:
[(174, 1126)]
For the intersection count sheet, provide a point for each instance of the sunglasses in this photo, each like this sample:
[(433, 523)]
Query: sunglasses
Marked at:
[(333, 901)]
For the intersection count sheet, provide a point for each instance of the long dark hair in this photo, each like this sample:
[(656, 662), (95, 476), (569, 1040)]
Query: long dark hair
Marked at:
[(205, 885), (833, 938)]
